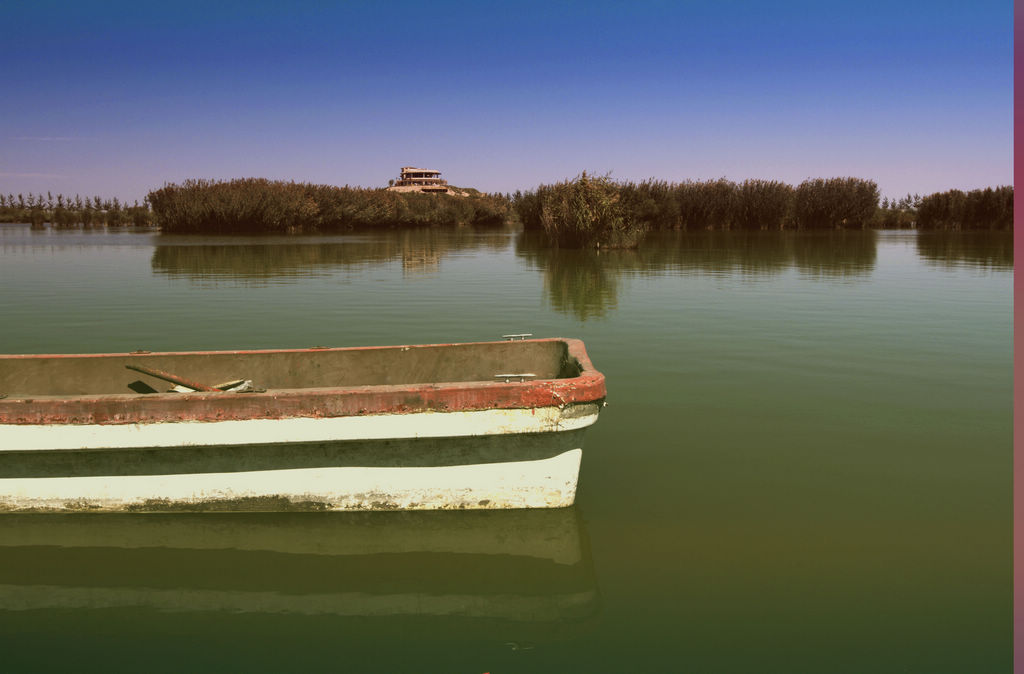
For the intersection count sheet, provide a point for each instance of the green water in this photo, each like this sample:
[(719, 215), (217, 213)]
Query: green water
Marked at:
[(804, 465)]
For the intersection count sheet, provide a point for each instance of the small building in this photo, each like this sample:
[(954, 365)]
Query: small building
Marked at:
[(414, 179)]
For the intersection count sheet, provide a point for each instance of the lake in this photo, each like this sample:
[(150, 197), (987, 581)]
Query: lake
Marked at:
[(804, 464)]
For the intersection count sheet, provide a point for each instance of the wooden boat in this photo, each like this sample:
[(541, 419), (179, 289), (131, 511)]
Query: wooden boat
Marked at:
[(477, 425)]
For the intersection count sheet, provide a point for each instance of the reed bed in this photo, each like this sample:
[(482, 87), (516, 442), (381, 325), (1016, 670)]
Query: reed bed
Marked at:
[(990, 208), (599, 212), (257, 205), (834, 203), (589, 211)]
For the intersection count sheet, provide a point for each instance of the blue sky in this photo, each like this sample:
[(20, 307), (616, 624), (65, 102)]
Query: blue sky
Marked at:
[(116, 98)]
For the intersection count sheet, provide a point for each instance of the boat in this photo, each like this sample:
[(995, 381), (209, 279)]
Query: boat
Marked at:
[(474, 425)]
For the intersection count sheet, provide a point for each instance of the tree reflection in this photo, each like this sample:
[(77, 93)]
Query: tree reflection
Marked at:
[(835, 254), (585, 283), (581, 282), (989, 250), (268, 260)]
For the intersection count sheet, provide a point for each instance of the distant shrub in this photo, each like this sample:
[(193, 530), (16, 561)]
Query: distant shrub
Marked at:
[(139, 216), (527, 207), (897, 213)]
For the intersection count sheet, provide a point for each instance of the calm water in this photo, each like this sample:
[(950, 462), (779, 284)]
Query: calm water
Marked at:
[(804, 466)]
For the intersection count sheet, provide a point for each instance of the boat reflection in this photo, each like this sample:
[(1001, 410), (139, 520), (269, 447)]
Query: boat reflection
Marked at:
[(505, 568)]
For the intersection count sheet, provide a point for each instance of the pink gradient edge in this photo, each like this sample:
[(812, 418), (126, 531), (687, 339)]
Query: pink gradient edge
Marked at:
[(1018, 385)]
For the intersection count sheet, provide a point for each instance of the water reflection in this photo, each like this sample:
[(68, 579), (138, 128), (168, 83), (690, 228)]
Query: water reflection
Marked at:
[(512, 575), (841, 254), (585, 283), (22, 237), (268, 260), (986, 250)]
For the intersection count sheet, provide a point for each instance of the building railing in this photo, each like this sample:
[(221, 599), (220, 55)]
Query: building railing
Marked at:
[(404, 182)]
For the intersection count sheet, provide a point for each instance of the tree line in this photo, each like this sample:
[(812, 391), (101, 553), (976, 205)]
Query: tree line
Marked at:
[(39, 209), (585, 211)]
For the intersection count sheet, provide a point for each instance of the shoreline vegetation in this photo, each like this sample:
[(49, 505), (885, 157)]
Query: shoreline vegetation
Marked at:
[(63, 211), (600, 212), (587, 211), (257, 205)]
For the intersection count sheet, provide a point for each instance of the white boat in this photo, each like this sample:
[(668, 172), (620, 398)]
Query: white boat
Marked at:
[(477, 425)]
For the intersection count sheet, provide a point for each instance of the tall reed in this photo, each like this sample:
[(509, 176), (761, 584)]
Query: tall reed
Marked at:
[(599, 211), (835, 203), (978, 209)]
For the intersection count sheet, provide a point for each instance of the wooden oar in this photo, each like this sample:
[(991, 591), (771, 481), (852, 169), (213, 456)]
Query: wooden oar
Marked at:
[(173, 378), (223, 387)]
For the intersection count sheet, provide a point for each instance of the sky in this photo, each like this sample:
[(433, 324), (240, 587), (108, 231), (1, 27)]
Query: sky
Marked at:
[(118, 98)]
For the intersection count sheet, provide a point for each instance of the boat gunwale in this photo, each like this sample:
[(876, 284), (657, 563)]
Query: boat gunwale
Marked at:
[(325, 402), (571, 342)]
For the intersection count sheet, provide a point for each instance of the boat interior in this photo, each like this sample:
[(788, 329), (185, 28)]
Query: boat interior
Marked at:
[(147, 373)]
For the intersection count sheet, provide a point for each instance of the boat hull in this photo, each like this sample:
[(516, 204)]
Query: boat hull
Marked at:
[(498, 471), (541, 483)]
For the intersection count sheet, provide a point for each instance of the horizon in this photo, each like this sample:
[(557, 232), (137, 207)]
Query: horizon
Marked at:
[(116, 100)]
